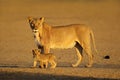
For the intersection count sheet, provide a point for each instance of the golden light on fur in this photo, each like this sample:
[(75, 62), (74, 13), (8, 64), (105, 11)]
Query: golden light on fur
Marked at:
[(69, 36)]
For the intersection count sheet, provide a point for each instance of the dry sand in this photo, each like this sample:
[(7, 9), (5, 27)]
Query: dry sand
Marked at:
[(16, 39)]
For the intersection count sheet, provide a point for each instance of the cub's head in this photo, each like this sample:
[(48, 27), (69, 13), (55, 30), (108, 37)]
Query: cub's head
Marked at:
[(35, 52), (35, 23)]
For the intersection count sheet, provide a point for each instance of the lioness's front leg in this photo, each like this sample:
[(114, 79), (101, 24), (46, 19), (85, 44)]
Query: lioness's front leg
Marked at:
[(46, 49)]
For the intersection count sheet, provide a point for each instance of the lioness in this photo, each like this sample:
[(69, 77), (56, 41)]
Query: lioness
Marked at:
[(74, 35), (43, 58)]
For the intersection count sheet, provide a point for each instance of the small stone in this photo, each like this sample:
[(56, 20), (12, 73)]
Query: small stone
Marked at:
[(107, 57)]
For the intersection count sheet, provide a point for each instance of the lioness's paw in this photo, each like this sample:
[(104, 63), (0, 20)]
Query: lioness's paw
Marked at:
[(74, 65)]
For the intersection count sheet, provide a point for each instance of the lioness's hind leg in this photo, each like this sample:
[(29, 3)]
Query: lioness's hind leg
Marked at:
[(79, 54), (90, 56)]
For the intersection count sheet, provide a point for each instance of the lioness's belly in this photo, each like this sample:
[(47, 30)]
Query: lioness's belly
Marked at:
[(63, 45), (63, 38)]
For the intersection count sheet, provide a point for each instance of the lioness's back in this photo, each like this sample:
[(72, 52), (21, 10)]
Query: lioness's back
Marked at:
[(70, 28)]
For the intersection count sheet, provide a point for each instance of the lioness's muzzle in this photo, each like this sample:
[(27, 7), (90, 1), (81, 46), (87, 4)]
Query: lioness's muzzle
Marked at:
[(35, 31)]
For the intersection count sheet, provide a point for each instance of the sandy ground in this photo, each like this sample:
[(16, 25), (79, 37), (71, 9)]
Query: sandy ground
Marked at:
[(16, 39)]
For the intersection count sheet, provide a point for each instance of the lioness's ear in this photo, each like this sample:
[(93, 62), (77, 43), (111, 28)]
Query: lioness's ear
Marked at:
[(30, 18), (42, 19)]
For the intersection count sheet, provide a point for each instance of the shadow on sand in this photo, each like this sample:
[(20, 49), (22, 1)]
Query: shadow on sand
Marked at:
[(106, 66), (6, 75), (64, 64), (39, 76)]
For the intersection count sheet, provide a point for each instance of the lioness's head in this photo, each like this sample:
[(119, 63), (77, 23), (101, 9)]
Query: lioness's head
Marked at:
[(35, 23), (35, 52)]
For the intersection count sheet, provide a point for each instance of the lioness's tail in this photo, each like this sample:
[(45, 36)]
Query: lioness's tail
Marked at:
[(93, 41)]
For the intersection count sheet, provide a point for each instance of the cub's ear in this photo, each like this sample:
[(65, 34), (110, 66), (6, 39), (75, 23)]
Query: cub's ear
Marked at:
[(42, 19), (30, 18), (33, 51), (39, 50)]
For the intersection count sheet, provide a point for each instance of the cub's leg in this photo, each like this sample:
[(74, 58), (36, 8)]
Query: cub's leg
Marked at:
[(34, 63), (41, 64), (46, 64), (53, 64)]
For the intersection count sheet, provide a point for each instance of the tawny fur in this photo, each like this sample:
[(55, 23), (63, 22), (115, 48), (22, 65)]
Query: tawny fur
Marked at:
[(43, 58), (69, 36)]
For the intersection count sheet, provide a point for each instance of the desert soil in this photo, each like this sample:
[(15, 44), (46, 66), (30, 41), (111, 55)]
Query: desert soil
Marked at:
[(16, 39)]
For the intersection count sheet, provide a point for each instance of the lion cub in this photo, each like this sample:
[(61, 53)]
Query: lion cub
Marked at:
[(43, 58)]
